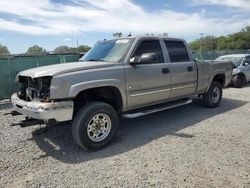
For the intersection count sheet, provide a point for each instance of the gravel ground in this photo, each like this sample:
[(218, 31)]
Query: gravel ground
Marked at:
[(189, 146)]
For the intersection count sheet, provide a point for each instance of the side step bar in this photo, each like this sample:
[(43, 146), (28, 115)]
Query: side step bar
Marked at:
[(156, 109)]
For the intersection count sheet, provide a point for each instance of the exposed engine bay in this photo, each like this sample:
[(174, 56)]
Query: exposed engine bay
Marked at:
[(37, 88)]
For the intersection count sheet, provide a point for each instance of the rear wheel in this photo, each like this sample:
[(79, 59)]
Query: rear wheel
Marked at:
[(238, 81), (95, 125), (213, 96)]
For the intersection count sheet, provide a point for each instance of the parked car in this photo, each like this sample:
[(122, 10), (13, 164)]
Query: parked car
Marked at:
[(241, 71), (131, 77)]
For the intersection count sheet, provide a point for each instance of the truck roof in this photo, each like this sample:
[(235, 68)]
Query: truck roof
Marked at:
[(149, 36)]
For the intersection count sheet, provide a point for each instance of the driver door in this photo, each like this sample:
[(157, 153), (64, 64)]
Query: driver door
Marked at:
[(147, 83)]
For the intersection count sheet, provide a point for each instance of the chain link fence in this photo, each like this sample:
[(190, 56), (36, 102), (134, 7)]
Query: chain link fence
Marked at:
[(11, 65)]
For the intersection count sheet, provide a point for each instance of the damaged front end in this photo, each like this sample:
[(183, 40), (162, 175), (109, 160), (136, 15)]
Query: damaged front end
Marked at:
[(33, 100), (37, 88)]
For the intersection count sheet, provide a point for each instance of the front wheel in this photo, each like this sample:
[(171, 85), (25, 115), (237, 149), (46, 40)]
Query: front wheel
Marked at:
[(212, 98), (238, 81), (95, 125)]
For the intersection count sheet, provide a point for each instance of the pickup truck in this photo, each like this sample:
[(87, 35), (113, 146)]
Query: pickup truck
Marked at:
[(129, 77)]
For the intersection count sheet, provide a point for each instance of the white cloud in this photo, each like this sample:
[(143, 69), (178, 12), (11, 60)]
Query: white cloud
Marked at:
[(67, 39), (44, 17), (243, 4)]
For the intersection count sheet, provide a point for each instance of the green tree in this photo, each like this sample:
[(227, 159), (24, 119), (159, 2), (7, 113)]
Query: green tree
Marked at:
[(4, 50), (35, 50), (208, 43), (238, 40), (83, 48), (68, 50), (65, 49), (195, 45)]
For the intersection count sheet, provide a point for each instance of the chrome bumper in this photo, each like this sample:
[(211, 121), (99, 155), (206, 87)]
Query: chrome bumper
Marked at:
[(59, 111)]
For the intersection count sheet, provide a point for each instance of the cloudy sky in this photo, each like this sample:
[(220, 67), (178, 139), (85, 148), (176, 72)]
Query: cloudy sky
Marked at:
[(50, 23)]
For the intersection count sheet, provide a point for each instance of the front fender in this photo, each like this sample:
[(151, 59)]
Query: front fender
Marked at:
[(77, 88)]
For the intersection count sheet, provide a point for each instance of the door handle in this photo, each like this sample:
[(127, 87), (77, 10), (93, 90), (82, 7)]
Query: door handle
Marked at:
[(165, 71), (190, 69)]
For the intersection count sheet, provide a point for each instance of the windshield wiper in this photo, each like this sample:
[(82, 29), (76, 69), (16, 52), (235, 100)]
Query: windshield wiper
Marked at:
[(94, 60)]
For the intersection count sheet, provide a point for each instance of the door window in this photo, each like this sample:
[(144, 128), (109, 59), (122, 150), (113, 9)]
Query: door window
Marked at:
[(177, 51), (150, 46)]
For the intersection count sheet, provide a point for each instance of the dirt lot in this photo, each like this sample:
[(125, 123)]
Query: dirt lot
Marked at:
[(190, 146)]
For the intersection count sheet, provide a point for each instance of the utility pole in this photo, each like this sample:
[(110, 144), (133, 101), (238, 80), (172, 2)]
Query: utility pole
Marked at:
[(201, 34), (75, 40)]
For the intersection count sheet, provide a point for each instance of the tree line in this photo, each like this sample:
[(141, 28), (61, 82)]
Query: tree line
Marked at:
[(235, 41), (37, 50)]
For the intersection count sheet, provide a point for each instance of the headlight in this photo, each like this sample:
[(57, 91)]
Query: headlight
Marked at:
[(236, 71)]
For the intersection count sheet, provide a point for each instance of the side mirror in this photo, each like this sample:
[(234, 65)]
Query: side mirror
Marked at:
[(143, 59), (245, 63)]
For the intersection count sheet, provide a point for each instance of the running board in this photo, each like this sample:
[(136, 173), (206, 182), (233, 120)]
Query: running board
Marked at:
[(156, 109)]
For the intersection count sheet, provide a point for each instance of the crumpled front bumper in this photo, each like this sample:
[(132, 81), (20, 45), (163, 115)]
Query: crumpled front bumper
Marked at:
[(59, 111)]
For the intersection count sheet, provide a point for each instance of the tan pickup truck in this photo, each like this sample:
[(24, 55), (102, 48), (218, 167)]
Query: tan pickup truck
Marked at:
[(127, 77)]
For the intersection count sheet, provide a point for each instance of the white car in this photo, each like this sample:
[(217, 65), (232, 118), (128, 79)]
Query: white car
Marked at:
[(241, 72)]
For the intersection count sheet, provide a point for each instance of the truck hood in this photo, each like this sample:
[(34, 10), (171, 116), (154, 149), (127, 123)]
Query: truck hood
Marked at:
[(53, 70)]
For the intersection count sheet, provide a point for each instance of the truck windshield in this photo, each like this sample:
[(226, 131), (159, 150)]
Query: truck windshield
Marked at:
[(109, 51), (236, 60)]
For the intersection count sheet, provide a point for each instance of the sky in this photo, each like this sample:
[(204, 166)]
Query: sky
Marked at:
[(50, 23)]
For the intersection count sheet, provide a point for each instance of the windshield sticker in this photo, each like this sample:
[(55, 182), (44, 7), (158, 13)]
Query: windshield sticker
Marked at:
[(122, 41)]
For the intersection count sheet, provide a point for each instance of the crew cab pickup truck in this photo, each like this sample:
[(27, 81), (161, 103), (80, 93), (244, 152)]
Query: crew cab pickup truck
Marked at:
[(127, 77)]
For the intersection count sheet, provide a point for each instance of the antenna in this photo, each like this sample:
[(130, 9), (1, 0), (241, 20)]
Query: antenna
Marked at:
[(129, 35)]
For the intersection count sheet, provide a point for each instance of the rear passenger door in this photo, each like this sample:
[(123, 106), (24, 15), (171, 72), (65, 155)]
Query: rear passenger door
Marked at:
[(183, 70)]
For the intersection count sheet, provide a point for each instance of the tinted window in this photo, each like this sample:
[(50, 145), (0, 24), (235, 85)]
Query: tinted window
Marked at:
[(150, 46), (177, 51)]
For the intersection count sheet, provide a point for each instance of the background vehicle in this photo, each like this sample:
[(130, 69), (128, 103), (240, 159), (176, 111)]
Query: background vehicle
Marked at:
[(241, 72), (131, 77)]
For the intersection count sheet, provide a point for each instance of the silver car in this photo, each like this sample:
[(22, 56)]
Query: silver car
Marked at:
[(241, 72)]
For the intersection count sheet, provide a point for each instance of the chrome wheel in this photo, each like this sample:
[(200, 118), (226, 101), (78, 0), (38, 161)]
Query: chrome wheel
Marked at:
[(99, 127), (216, 95)]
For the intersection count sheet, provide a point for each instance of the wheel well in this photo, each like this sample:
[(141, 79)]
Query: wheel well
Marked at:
[(110, 95), (220, 78), (241, 74)]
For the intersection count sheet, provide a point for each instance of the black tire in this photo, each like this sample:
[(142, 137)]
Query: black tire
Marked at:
[(208, 98), (238, 81), (82, 120)]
